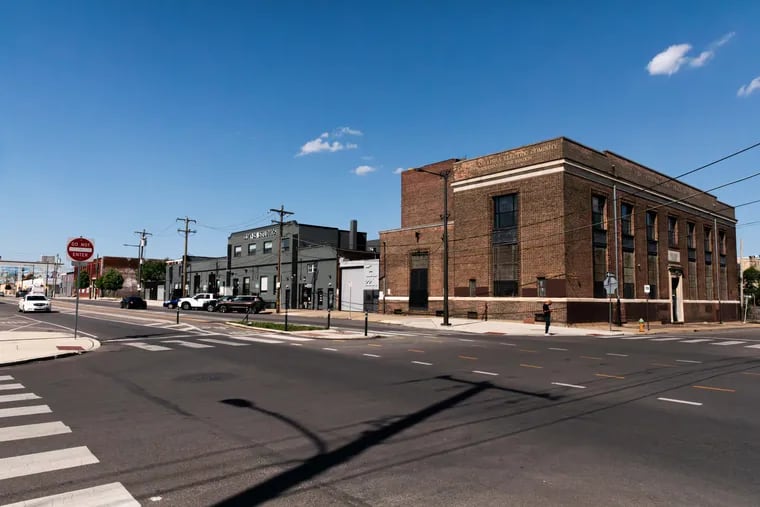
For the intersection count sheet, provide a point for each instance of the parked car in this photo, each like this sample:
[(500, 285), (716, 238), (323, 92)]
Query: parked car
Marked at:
[(34, 303), (133, 302), (212, 306), (21, 293), (246, 304), (172, 303)]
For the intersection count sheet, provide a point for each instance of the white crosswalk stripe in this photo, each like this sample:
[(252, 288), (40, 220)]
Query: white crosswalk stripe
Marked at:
[(6, 377), (10, 387), (730, 342), (670, 339), (4, 398), (190, 345), (698, 340), (111, 495), (752, 346), (32, 431), (146, 346), (29, 410), (254, 339), (46, 461), (223, 342)]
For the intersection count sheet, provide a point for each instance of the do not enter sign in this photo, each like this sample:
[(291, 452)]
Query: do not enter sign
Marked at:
[(80, 249)]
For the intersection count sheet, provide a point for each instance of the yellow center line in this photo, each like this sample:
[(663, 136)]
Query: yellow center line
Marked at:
[(609, 376), (663, 365), (373, 345), (527, 350), (416, 350), (751, 373), (710, 388), (530, 366), (591, 357), (468, 357)]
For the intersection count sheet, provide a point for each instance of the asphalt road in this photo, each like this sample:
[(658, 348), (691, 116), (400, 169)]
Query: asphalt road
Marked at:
[(201, 414)]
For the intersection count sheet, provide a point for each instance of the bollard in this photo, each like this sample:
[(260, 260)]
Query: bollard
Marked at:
[(366, 316), (641, 325), (328, 318), (177, 314), (485, 314)]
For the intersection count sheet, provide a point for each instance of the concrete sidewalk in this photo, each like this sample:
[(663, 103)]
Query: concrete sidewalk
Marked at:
[(21, 346)]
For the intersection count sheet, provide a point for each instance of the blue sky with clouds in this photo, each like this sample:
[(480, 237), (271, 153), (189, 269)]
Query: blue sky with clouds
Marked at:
[(119, 116)]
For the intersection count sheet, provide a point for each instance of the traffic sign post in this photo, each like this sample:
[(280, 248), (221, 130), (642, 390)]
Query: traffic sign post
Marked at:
[(611, 286), (79, 250), (647, 290)]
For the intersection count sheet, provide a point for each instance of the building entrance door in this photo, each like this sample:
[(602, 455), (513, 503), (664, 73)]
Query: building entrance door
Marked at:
[(676, 296)]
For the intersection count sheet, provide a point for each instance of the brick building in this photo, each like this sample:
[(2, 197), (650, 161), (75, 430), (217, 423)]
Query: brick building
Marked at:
[(540, 221)]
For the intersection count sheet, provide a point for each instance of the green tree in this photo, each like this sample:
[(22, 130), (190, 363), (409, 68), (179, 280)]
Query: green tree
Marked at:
[(751, 280), (154, 271), (111, 281), (84, 280)]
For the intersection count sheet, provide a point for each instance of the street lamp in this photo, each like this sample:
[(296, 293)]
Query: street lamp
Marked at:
[(444, 175)]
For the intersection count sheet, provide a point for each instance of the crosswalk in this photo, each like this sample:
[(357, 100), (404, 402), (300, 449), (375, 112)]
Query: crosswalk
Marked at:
[(748, 344), (205, 341), (46, 460)]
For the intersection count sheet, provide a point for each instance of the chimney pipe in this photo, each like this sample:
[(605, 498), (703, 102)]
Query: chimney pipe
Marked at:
[(352, 236)]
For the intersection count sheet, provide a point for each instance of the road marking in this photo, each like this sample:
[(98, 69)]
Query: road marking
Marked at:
[(423, 363), (289, 338), (508, 344), (681, 401), (750, 373), (469, 358), (530, 366), (465, 340), (616, 355), (666, 339), (6, 377), (374, 345), (32, 431), (527, 350), (609, 376), (190, 345), (688, 361), (568, 385), (710, 388), (371, 355), (297, 344), (18, 397), (752, 346), (698, 340), (485, 373), (558, 348), (10, 387), (30, 410), (591, 357), (256, 340), (330, 349), (635, 338), (39, 462), (416, 350), (147, 346), (730, 342), (108, 494), (663, 365), (222, 342)]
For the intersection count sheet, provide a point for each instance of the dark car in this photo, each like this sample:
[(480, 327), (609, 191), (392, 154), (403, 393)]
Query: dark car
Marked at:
[(212, 307), (172, 303), (133, 302), (253, 304), (21, 293)]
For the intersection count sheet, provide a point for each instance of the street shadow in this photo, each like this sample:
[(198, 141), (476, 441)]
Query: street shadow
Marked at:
[(323, 461)]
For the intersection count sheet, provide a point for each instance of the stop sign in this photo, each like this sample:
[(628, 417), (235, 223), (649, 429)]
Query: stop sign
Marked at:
[(80, 249)]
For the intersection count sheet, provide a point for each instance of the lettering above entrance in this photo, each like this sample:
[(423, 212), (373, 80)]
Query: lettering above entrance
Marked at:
[(674, 256)]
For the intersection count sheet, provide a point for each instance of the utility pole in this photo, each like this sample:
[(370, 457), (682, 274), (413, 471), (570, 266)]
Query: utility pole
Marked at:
[(617, 254), (143, 241), (716, 262), (187, 231), (281, 211)]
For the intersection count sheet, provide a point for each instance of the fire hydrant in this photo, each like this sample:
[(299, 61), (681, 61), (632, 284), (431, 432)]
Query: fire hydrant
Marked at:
[(641, 325)]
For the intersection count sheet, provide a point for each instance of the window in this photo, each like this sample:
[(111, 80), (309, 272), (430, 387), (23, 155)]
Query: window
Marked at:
[(672, 232), (693, 287), (653, 274), (252, 249), (311, 268), (541, 287), (285, 244), (237, 251), (629, 275), (708, 240), (472, 287), (651, 226), (626, 219), (263, 283), (598, 212), (691, 241), (267, 247), (505, 250)]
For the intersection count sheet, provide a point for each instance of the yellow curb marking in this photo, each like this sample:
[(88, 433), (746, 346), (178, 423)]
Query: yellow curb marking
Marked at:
[(468, 357), (416, 350), (710, 388), (591, 357), (531, 366), (609, 376)]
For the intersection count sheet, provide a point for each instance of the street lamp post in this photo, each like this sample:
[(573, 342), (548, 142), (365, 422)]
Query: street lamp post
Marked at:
[(444, 175)]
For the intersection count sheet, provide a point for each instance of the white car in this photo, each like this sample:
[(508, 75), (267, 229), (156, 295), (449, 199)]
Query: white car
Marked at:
[(34, 303)]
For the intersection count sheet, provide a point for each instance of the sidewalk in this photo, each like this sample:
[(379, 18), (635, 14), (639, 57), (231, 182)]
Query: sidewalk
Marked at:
[(20, 346)]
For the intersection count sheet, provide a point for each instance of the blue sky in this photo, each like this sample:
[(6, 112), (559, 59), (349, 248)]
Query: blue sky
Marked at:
[(119, 116)]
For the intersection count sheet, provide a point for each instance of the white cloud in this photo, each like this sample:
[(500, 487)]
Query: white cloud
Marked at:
[(745, 90), (348, 131), (671, 60), (363, 169), (398, 170), (327, 143)]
